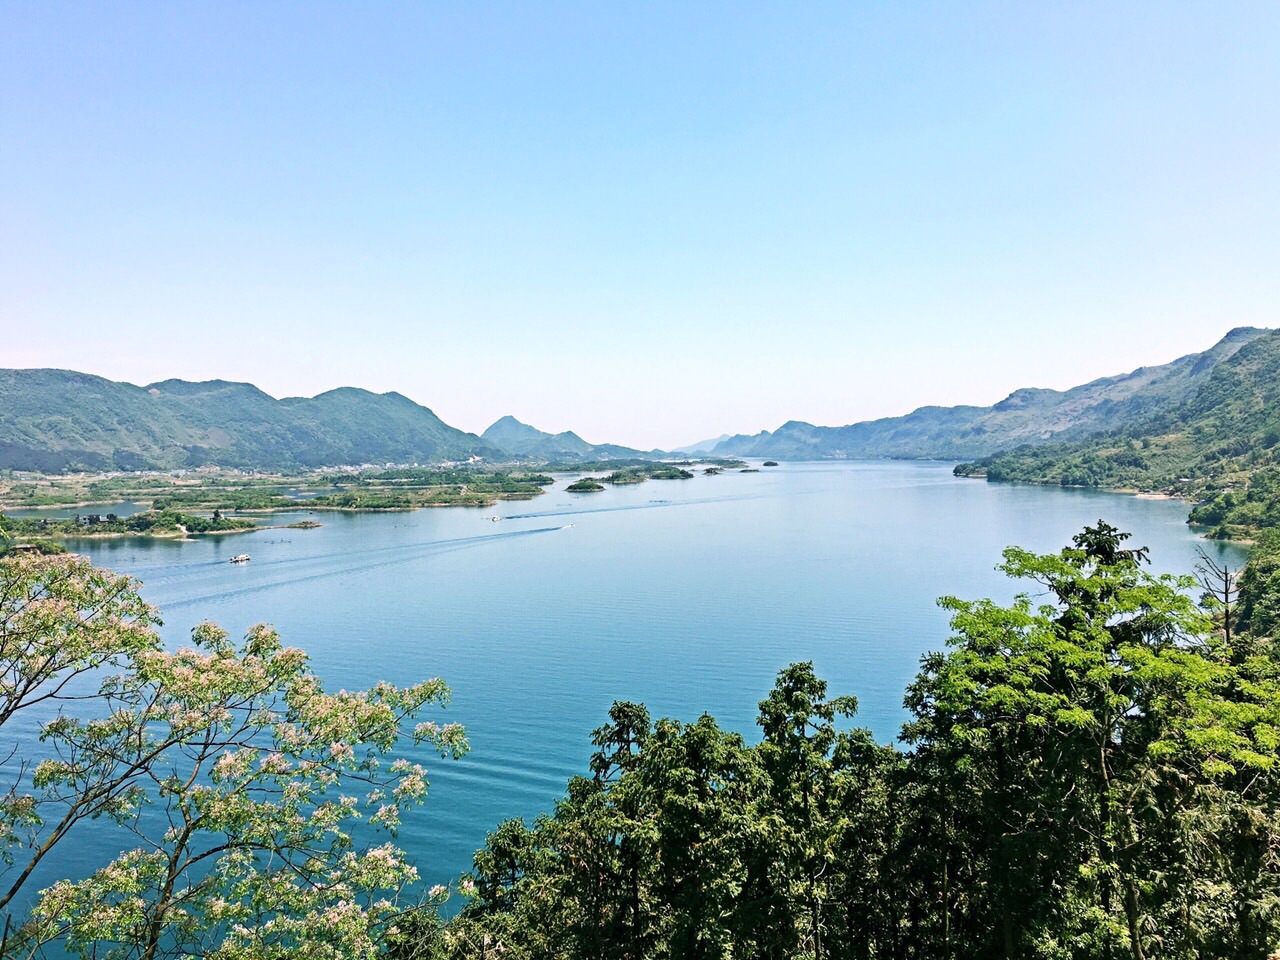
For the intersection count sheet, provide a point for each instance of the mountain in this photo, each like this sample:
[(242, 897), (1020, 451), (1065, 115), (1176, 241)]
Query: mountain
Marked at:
[(521, 440), (702, 446), (1220, 445), (59, 420), (1027, 416)]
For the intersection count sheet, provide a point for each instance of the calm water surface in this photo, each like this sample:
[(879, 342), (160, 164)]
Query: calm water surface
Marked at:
[(686, 595)]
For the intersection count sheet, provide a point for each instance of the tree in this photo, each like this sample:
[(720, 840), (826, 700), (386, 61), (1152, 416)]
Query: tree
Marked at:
[(799, 737), (703, 782), (239, 779), (61, 622), (1114, 753), (1221, 590), (1259, 600), (1094, 774)]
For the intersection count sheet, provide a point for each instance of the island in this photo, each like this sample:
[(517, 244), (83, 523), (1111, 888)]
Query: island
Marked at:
[(183, 503), (149, 523)]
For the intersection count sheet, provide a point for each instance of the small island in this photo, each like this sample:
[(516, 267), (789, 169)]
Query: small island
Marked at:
[(639, 474), (770, 463), (585, 485), (669, 473)]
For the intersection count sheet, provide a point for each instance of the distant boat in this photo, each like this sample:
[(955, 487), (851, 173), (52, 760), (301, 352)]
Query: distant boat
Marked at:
[(495, 519), (240, 558)]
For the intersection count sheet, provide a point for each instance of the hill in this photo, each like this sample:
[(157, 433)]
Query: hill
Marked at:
[(1219, 446), (702, 446), (59, 420), (1028, 416), (530, 443)]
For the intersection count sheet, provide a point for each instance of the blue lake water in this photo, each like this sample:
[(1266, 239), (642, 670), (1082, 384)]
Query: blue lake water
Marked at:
[(686, 595)]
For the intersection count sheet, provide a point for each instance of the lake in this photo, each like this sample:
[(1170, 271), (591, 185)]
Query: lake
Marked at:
[(687, 595)]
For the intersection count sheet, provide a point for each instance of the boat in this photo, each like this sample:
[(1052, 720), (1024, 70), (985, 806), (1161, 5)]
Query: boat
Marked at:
[(240, 558)]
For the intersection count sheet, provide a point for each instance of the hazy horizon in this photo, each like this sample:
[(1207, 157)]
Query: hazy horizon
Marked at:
[(648, 226)]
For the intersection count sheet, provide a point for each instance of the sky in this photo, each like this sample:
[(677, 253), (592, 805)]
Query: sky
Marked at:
[(648, 223)]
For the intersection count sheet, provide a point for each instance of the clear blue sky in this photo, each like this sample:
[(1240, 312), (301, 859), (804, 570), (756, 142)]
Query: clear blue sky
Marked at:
[(649, 223)]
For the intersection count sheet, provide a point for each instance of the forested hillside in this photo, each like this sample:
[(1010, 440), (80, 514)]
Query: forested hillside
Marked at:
[(1028, 416), (59, 420), (1220, 447)]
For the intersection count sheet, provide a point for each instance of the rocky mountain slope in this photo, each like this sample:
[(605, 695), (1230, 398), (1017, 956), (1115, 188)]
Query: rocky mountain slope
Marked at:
[(1219, 446), (524, 441), (1028, 416)]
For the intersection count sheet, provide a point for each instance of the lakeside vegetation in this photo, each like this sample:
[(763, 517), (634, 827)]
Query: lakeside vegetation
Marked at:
[(1093, 774), (371, 489), (230, 491), (164, 522), (205, 502), (1219, 449)]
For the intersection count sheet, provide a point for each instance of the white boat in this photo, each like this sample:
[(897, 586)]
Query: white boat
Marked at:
[(240, 558)]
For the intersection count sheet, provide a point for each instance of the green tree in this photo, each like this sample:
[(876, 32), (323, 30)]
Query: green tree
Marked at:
[(799, 737), (1103, 739), (1259, 595), (704, 783), (1093, 774)]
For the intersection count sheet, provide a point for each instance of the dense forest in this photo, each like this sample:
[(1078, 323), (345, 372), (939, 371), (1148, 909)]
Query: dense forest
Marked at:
[(1090, 772)]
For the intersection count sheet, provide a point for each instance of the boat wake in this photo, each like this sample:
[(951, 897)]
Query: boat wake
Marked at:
[(651, 505), (302, 569)]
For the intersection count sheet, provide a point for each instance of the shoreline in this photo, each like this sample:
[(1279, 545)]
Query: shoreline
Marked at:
[(179, 535), (1247, 538)]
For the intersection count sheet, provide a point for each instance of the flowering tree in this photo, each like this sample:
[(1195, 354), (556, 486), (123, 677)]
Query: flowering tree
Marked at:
[(238, 779)]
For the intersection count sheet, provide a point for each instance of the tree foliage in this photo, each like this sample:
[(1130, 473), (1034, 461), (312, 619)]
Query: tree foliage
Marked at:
[(1091, 771), (1088, 772), (233, 779)]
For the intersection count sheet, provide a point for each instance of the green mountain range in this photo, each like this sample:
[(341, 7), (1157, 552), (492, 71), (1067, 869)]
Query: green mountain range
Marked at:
[(58, 420), (1204, 425), (1027, 416), (1220, 445)]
